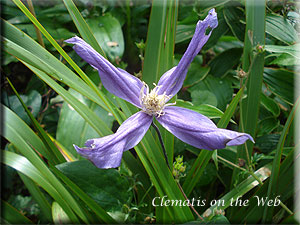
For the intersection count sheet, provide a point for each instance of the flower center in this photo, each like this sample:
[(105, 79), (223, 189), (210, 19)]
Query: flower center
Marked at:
[(152, 103)]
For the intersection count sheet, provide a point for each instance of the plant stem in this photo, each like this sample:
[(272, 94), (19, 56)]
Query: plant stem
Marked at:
[(161, 142), (166, 158), (38, 33)]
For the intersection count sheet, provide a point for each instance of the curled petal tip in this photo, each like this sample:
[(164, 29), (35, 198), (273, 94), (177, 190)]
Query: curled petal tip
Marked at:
[(241, 139)]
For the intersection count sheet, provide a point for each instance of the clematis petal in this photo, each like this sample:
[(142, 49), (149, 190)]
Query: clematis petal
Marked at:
[(199, 131), (115, 80), (106, 152), (172, 80)]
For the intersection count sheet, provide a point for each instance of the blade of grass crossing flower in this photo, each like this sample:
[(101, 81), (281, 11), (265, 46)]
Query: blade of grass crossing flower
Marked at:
[(273, 185), (204, 156), (56, 156), (161, 42), (166, 63), (11, 215), (82, 26)]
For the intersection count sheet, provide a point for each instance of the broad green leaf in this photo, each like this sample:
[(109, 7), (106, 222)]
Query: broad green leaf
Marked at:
[(221, 88), (267, 125), (281, 83), (109, 190), (292, 50), (222, 63), (107, 31), (195, 74), (70, 121), (234, 15), (267, 143), (184, 32), (33, 100), (285, 59), (281, 29), (200, 97), (270, 105)]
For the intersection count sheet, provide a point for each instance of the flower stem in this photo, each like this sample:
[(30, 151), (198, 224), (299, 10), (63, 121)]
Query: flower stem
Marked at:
[(161, 142), (166, 158)]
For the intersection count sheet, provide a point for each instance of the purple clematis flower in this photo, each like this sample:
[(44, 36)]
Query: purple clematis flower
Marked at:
[(187, 125)]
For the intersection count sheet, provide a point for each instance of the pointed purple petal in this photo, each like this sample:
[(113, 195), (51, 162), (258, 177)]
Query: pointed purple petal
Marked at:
[(172, 80), (106, 152), (199, 131), (115, 80)]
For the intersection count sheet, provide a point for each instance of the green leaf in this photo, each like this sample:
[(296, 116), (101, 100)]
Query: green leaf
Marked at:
[(107, 31), (222, 63), (267, 125), (270, 105), (280, 28), (184, 32), (109, 190), (234, 14), (195, 74), (24, 166), (281, 83), (70, 121), (200, 97), (241, 189), (12, 215), (285, 60), (292, 50), (221, 88), (207, 110), (33, 101), (267, 143), (58, 214)]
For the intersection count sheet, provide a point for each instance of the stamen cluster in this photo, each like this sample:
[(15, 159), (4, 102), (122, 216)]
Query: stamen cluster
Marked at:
[(152, 103)]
